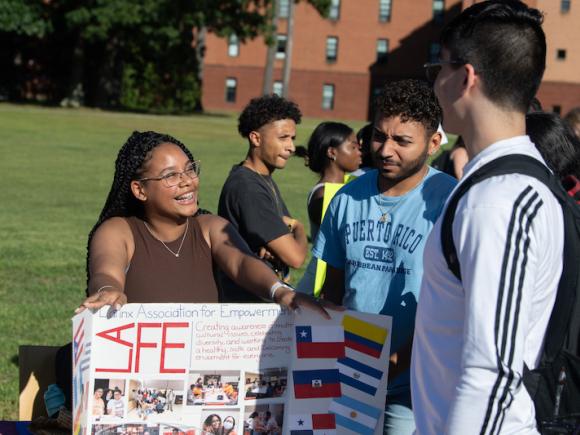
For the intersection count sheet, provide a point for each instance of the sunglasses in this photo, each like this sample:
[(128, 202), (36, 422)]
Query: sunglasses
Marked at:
[(432, 69)]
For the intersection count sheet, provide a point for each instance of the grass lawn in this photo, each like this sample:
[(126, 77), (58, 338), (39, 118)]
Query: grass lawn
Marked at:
[(56, 167)]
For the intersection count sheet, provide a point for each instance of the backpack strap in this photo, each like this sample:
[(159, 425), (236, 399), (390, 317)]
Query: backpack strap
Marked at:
[(557, 331)]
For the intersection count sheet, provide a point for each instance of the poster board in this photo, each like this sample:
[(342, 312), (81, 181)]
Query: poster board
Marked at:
[(164, 369)]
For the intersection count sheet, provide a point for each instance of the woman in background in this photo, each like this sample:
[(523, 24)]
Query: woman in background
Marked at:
[(559, 147), (333, 151), (452, 161)]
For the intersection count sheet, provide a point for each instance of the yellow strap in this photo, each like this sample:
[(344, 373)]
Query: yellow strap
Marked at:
[(330, 190)]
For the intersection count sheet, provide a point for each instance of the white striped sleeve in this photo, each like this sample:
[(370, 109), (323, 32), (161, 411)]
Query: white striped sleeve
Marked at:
[(497, 251)]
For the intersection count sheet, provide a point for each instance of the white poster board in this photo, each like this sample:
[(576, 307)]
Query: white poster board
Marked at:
[(164, 369)]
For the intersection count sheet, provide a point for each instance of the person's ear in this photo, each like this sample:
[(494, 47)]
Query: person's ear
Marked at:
[(331, 153), (434, 143), (254, 138), (138, 190), (470, 77)]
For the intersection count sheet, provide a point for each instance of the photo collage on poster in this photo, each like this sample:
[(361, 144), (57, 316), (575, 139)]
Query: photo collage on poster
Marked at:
[(257, 371), (229, 402)]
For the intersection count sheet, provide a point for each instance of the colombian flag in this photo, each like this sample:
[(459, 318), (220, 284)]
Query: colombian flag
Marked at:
[(363, 336), (312, 384)]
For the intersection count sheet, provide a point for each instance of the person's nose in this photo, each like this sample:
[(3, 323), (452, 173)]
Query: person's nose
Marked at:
[(387, 149), (292, 147)]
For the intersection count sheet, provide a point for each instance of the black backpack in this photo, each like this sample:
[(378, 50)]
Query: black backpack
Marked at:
[(555, 385)]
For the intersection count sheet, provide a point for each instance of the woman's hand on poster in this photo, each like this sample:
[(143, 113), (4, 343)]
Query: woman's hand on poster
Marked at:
[(110, 296), (293, 300)]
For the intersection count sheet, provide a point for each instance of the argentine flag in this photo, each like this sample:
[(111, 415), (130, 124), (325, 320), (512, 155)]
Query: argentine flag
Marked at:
[(355, 415)]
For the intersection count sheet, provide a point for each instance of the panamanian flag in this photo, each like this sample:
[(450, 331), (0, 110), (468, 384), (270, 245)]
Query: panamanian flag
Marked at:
[(364, 337), (355, 415), (358, 375), (313, 384), (319, 341), (312, 424)]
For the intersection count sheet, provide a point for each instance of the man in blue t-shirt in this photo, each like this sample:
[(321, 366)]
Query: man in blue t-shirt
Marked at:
[(374, 231)]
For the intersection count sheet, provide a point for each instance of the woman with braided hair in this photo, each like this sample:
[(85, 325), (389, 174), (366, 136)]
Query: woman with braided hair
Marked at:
[(150, 244)]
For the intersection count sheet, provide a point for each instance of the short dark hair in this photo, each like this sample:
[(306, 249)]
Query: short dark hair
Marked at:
[(505, 43), (263, 110), (556, 142), (573, 117), (365, 137), (412, 100), (324, 136)]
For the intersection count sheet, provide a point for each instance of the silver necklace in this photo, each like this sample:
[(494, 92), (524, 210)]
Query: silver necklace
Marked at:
[(175, 254), (386, 216)]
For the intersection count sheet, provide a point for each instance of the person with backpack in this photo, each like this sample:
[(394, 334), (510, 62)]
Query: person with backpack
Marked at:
[(482, 324)]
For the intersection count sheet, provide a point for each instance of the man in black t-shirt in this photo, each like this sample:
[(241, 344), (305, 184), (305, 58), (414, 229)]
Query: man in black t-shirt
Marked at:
[(251, 200)]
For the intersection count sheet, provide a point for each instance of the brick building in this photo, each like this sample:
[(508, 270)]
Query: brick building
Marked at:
[(560, 89), (339, 62)]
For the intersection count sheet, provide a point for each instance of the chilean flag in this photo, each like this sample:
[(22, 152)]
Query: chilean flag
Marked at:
[(313, 384), (319, 342), (312, 424)]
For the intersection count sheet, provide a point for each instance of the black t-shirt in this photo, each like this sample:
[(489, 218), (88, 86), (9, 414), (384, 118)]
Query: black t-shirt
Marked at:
[(253, 204)]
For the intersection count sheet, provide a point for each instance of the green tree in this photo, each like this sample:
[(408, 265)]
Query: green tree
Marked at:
[(144, 55)]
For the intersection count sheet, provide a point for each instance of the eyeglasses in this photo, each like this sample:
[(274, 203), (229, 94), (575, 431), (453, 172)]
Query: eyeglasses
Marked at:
[(174, 178), (432, 69)]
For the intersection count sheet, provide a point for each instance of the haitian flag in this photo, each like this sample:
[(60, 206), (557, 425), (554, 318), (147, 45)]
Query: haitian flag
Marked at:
[(355, 415), (358, 375), (319, 342), (363, 336), (315, 424), (312, 384)]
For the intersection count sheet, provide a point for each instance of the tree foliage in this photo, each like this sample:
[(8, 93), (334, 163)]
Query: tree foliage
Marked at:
[(134, 54), (25, 18)]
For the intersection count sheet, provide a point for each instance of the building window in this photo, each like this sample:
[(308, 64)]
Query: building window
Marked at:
[(382, 49), (281, 46), (328, 97), (233, 46), (278, 88), (385, 10), (231, 88), (557, 109), (565, 6), (283, 8), (434, 52), (438, 10), (334, 11), (561, 54), (331, 48)]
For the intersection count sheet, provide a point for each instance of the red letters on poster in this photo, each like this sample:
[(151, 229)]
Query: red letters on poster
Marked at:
[(114, 335), (165, 345)]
